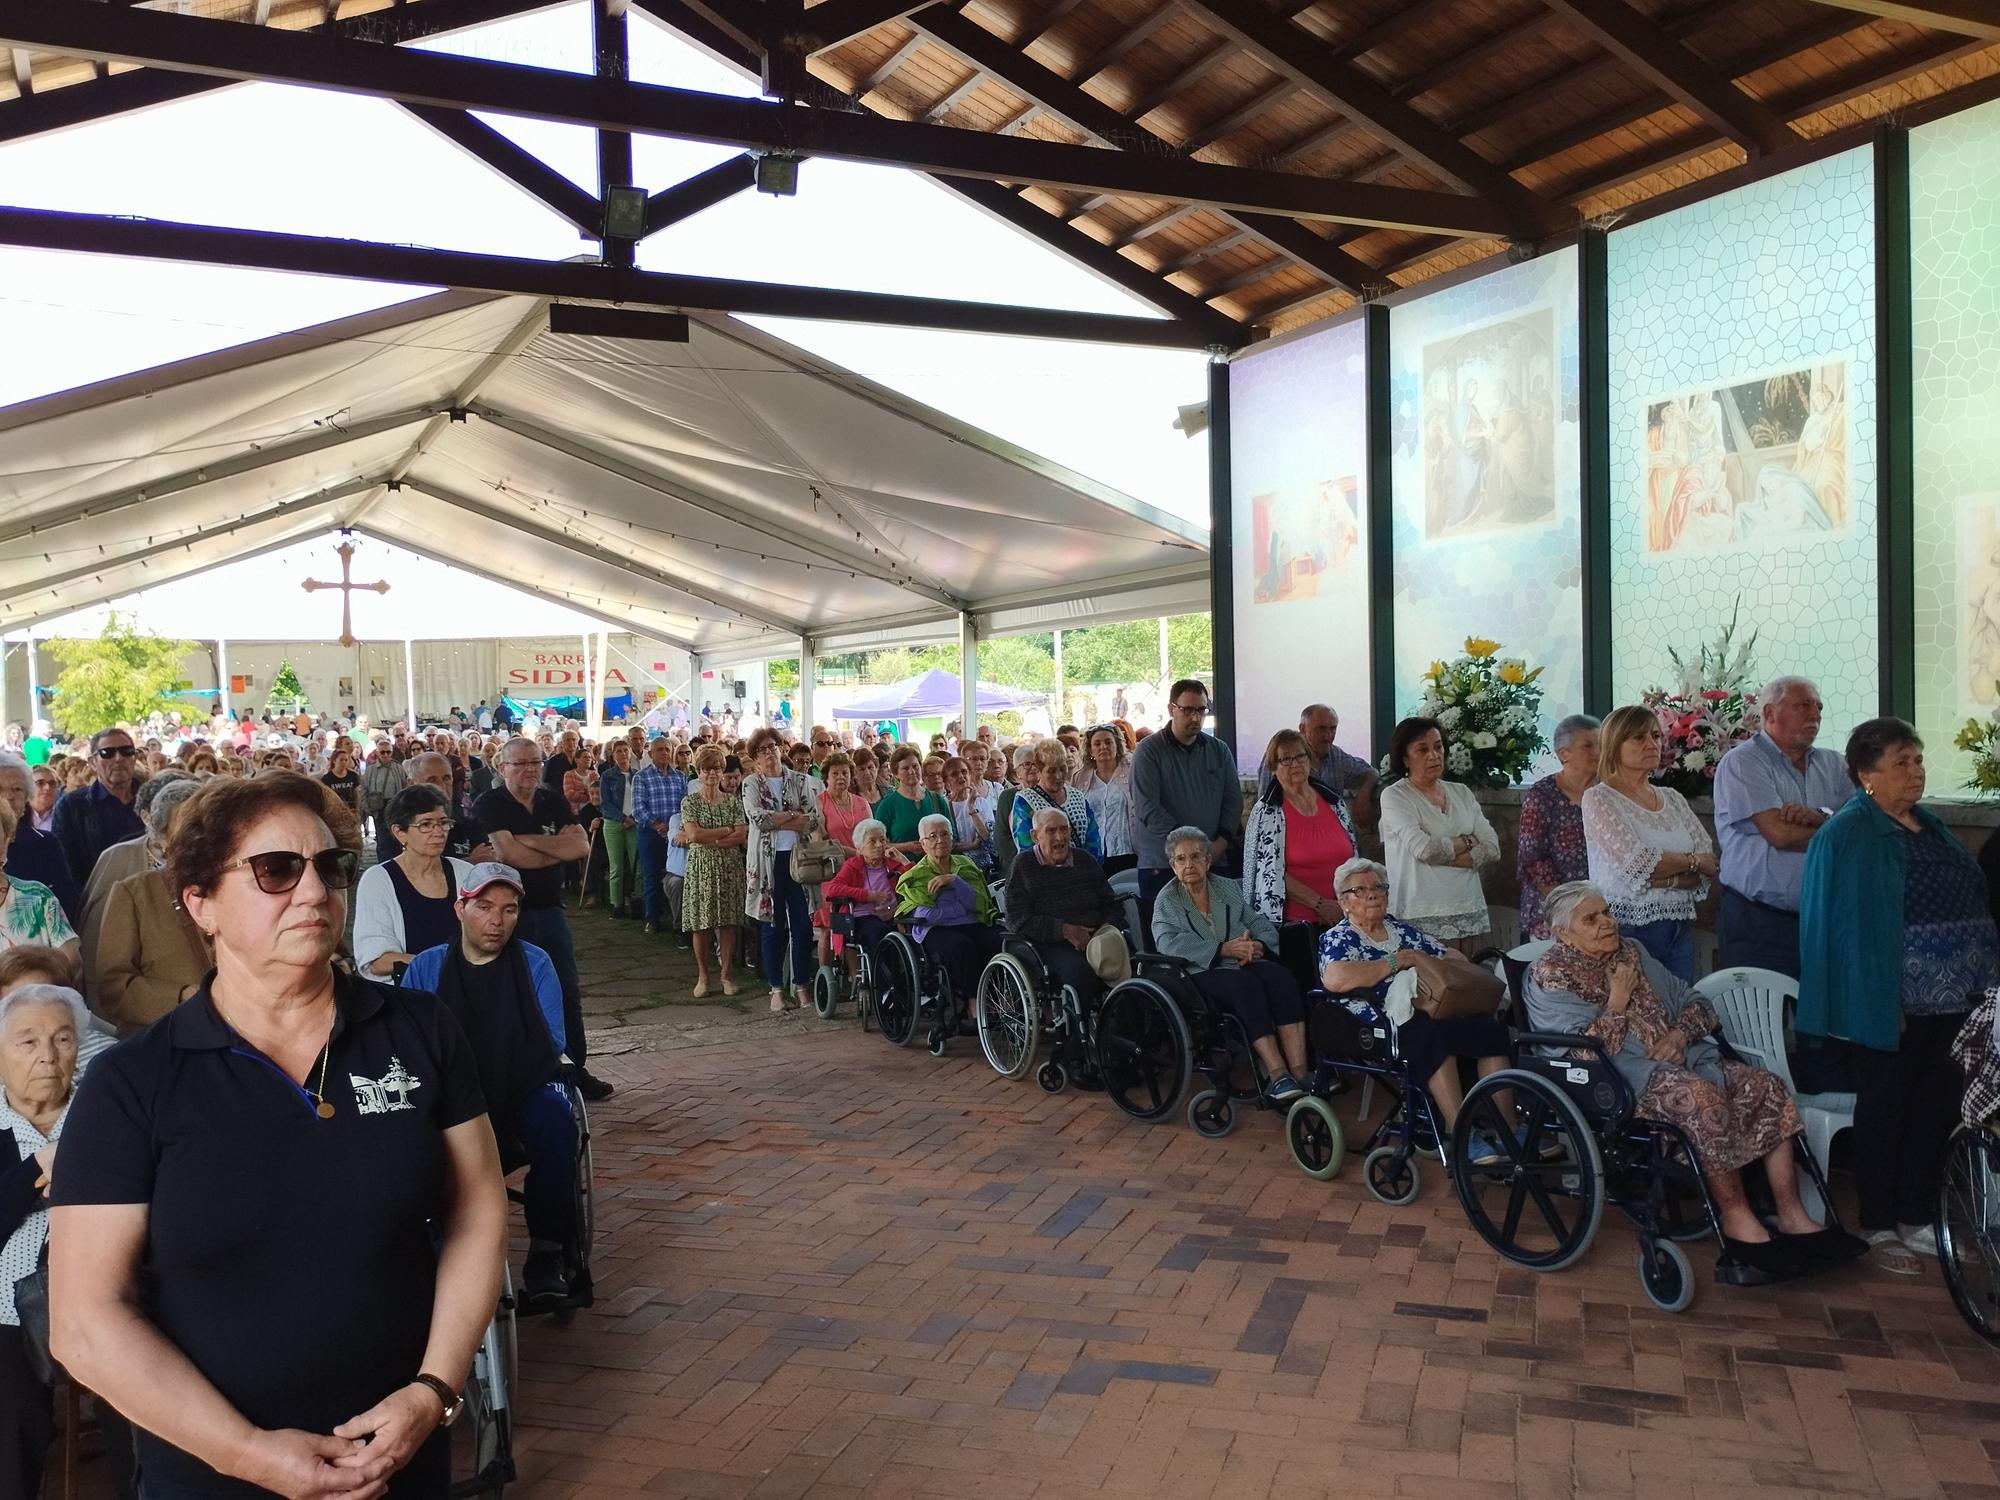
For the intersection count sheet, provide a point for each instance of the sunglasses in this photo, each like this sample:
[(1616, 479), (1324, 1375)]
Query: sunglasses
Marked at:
[(281, 870), (117, 752)]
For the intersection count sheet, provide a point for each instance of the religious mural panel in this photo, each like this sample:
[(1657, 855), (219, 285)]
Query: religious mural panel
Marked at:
[(1490, 427), (1299, 475)]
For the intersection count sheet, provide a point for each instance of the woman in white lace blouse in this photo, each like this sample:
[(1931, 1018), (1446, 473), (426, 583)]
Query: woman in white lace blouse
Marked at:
[(1649, 854), (1437, 839)]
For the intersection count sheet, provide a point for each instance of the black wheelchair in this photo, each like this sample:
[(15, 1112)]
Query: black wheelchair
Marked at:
[(832, 985), (1572, 1142), (483, 1443), (1350, 1038), (1133, 1043)]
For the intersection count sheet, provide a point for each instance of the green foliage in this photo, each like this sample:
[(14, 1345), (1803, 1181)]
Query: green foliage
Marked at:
[(287, 692), (782, 676), (118, 678)]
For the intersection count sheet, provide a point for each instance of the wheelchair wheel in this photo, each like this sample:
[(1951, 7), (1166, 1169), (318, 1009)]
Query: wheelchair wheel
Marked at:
[(484, 1455), (586, 1199), (1143, 1050), (1009, 1016), (1052, 1078), (1318, 1144), (826, 992), (1968, 1228), (898, 980), (1540, 1202), (1666, 1275), (1391, 1176), (1212, 1113)]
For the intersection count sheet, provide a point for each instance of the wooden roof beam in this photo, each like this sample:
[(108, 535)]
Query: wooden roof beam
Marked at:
[(893, 61), (951, 100), (1978, 19), (1154, 225), (1289, 50), (1234, 120), (1668, 65), (833, 22), (1129, 40)]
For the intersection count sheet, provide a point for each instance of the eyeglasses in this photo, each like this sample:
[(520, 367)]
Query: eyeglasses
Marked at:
[(1293, 759), (822, 744), (1366, 890), (117, 752), (521, 760), (430, 825), (1199, 710), (280, 870)]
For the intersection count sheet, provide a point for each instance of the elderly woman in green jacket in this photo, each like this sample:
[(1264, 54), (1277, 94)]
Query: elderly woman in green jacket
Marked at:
[(1896, 945)]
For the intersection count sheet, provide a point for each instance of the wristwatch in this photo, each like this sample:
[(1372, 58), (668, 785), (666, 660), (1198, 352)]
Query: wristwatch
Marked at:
[(454, 1403)]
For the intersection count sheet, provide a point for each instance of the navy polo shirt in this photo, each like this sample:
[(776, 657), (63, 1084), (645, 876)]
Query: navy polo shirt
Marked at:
[(500, 811), (290, 1258)]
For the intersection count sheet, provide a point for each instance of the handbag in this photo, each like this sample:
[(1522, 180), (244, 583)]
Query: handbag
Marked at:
[(31, 1306), (813, 859), (1453, 987)]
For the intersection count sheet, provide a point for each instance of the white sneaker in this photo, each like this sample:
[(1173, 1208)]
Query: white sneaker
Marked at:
[(1922, 1241)]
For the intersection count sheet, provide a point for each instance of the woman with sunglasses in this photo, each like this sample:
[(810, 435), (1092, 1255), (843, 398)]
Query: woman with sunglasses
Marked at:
[(277, 1235)]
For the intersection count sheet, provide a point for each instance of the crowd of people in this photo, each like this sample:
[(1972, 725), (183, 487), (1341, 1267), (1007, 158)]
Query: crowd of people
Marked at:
[(186, 889)]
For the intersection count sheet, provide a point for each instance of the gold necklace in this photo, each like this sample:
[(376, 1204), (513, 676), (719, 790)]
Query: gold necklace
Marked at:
[(318, 1096)]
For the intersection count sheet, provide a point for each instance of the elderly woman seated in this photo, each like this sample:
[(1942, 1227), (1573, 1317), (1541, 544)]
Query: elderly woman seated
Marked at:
[(45, 1035), (868, 882), (1660, 1036), (1364, 952), (1059, 899), (1206, 921), (943, 897)]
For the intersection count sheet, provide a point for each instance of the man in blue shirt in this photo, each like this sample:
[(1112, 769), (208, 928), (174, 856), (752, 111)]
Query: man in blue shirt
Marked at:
[(657, 793), (1772, 792), (90, 820), (507, 998)]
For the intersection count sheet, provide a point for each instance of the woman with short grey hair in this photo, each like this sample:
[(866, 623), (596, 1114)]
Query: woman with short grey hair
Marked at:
[(1552, 847)]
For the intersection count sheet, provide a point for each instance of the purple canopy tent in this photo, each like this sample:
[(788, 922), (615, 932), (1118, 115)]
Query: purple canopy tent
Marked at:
[(932, 693)]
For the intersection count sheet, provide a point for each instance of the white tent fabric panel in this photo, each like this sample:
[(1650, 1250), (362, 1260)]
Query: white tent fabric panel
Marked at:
[(728, 490)]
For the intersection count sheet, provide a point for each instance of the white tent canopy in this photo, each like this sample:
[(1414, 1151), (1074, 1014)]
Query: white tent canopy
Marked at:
[(731, 495)]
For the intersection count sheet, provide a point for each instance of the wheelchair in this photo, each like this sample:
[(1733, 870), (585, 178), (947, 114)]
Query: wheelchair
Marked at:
[(581, 1292), (1580, 1145), (1351, 1038), (1968, 1226), (482, 1461), (832, 985)]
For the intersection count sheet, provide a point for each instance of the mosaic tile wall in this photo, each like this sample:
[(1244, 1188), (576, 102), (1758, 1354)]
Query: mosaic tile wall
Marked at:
[(1298, 446), (1743, 432), (1483, 384), (1955, 243)]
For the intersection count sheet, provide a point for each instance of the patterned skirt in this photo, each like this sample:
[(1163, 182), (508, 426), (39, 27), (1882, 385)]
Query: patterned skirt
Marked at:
[(1731, 1125)]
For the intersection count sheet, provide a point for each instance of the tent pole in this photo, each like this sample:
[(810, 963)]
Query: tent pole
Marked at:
[(222, 677), (808, 670), (968, 677), (34, 684), (410, 680), (1061, 714), (3, 679)]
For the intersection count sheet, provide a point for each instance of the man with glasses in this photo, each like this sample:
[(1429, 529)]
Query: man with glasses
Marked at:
[(90, 820), (531, 828), (1183, 777), (658, 790), (1351, 778)]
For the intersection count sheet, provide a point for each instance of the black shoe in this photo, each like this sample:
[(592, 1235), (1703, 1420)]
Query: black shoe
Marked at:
[(591, 1086), (616, 913), (1825, 1247), (544, 1282), (1758, 1263)]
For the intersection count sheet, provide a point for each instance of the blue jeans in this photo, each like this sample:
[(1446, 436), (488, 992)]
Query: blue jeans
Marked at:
[(652, 871), (1671, 942), (548, 929), (791, 918), (546, 1133)]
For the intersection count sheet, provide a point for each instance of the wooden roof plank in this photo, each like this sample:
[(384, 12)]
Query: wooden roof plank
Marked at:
[(1669, 65), (1978, 19)]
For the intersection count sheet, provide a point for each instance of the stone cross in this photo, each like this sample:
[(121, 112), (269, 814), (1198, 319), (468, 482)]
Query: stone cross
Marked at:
[(347, 588)]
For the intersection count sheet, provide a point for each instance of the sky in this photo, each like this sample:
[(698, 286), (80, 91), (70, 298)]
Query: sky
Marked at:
[(264, 157)]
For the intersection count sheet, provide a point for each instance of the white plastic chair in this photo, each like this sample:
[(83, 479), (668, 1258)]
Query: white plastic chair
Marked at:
[(1751, 1006)]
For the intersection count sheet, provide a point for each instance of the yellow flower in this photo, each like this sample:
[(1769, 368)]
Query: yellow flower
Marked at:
[(1512, 673), (1436, 671), (1479, 649), (1971, 736)]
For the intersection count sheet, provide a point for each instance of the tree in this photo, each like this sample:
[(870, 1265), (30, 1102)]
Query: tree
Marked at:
[(782, 676), (287, 692), (1019, 661), (118, 678)]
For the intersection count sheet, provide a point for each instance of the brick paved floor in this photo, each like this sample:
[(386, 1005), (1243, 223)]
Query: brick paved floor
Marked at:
[(827, 1268)]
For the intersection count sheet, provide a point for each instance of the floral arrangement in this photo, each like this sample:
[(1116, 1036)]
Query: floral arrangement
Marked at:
[(1981, 737), (1491, 710), (1713, 708)]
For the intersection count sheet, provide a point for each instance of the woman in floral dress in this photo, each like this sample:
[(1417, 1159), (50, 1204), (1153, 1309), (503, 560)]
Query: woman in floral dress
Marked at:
[(713, 830), (1553, 848)]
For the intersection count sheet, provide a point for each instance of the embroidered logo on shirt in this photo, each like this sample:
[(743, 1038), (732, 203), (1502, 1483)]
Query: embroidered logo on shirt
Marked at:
[(378, 1096)]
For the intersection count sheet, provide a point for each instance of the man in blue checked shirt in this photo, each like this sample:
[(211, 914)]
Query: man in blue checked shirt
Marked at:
[(657, 793)]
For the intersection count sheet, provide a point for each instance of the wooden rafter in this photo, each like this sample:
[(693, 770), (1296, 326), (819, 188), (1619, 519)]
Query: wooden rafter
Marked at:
[(1671, 66), (1978, 19)]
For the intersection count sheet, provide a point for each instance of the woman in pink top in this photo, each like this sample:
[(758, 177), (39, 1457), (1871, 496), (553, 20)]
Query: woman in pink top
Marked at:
[(1297, 836), (841, 810)]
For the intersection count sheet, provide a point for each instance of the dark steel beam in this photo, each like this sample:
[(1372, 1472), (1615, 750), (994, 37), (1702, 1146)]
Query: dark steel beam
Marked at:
[(580, 281), (1095, 118), (828, 25), (188, 44), (1978, 19), (519, 166), (1095, 256), (704, 190), (1289, 50), (122, 93), (588, 320), (1668, 65), (614, 147)]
